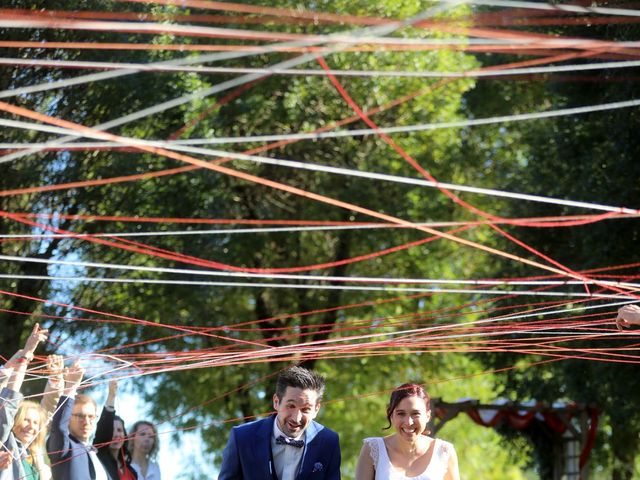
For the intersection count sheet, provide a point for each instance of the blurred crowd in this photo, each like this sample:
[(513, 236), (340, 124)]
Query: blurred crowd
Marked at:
[(62, 437)]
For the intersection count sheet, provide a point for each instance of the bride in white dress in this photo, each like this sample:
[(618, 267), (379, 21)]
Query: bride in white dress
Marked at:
[(408, 454)]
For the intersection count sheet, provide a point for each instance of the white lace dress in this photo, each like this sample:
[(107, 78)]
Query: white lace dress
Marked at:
[(385, 471)]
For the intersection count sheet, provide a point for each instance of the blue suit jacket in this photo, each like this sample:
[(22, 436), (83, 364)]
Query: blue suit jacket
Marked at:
[(247, 455), (69, 457)]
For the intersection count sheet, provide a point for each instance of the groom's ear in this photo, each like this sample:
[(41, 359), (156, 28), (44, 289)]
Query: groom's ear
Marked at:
[(316, 409), (276, 401)]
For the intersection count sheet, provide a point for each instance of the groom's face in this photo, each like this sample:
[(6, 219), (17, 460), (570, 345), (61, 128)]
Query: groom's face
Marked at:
[(296, 409)]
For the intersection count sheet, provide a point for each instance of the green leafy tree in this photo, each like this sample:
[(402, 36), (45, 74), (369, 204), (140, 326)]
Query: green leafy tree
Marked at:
[(586, 157), (223, 320)]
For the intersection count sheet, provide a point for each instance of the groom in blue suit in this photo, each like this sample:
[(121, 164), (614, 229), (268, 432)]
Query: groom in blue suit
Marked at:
[(289, 445)]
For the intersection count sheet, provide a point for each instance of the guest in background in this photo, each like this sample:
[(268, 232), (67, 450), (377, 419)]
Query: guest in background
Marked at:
[(30, 424), (30, 431), (22, 427), (110, 440), (143, 445), (71, 454)]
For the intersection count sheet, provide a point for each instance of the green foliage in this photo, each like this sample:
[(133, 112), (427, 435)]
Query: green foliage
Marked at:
[(579, 158), (575, 157), (278, 104)]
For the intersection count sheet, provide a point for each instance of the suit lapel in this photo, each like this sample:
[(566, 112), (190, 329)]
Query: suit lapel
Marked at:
[(312, 448), (262, 449)]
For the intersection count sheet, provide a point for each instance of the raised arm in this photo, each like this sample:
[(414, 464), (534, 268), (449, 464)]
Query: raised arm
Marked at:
[(7, 369), (72, 379), (58, 444), (55, 385), (25, 356), (104, 429), (10, 396)]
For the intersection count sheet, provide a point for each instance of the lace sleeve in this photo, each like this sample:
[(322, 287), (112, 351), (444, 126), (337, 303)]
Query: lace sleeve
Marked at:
[(374, 450), (445, 450)]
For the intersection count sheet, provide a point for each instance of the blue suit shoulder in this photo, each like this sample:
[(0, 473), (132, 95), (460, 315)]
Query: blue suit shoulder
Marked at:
[(252, 425), (325, 432), (251, 428)]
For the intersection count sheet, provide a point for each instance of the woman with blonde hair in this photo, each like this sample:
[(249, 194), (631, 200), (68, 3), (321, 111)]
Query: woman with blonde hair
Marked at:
[(29, 430), (19, 435)]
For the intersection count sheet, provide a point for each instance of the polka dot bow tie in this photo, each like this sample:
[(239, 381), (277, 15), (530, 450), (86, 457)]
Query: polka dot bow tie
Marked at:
[(282, 440)]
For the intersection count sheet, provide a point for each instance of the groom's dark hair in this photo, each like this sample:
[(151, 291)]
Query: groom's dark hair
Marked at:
[(298, 377)]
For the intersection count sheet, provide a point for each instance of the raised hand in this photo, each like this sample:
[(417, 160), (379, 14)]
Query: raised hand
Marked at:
[(55, 368), (37, 335), (20, 361), (73, 377), (55, 364), (627, 316), (113, 392)]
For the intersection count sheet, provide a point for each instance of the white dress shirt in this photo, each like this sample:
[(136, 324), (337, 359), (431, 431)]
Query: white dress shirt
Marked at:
[(101, 473), (153, 471), (286, 459)]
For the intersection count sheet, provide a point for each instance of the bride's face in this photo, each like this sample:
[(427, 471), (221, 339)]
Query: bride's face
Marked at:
[(410, 417)]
